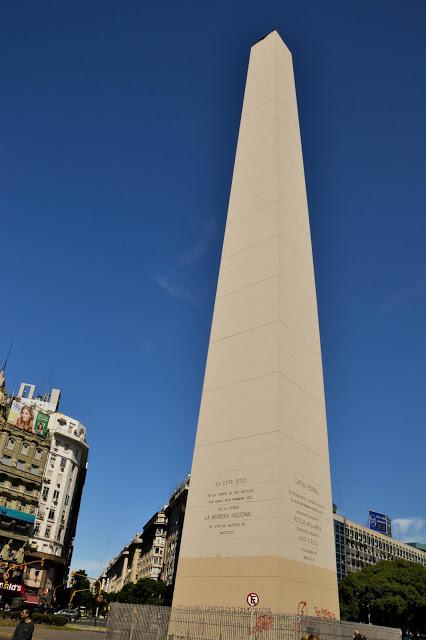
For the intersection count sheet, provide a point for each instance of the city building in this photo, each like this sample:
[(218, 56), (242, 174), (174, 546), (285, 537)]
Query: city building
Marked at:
[(153, 545), (154, 552), (24, 450), (43, 460), (122, 569), (358, 547), (417, 545), (59, 502), (175, 515)]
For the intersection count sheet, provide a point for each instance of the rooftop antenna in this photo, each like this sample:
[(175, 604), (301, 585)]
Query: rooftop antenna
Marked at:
[(49, 382), (7, 357)]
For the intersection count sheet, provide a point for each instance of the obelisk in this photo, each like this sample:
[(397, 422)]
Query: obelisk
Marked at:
[(258, 528)]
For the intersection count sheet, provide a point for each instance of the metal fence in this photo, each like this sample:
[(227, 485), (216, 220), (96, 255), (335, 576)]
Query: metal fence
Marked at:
[(148, 622)]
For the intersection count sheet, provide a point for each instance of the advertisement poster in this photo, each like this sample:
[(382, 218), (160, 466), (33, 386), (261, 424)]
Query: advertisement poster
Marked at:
[(24, 415), (11, 580)]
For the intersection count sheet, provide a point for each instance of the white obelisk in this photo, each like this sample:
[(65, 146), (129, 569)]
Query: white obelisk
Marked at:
[(259, 513)]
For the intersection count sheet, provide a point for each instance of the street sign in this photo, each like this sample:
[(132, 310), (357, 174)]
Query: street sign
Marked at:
[(252, 599)]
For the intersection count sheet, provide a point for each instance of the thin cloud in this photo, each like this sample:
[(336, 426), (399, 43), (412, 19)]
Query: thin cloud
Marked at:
[(410, 529), (403, 295), (179, 284), (175, 286), (191, 256)]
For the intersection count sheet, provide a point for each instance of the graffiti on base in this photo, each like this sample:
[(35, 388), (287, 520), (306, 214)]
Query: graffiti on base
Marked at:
[(325, 614), (263, 623)]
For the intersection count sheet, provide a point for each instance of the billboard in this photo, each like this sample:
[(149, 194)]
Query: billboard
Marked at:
[(24, 415), (379, 522)]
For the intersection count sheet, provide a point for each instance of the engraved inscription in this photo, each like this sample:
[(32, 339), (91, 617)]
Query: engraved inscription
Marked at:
[(308, 513), (230, 505)]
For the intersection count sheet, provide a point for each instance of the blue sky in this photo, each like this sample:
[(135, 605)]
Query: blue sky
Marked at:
[(118, 127)]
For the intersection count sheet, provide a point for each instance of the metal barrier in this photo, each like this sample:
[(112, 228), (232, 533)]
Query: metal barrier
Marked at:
[(149, 622)]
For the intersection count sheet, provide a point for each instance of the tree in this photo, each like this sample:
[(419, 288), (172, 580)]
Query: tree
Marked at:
[(145, 591), (81, 585), (393, 593)]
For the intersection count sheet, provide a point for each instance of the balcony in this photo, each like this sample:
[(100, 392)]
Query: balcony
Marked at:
[(12, 471), (20, 495)]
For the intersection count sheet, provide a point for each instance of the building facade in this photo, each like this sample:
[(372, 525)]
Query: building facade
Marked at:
[(417, 545), (43, 459), (175, 514), (358, 547), (154, 552), (153, 546), (59, 502), (24, 451), (123, 568)]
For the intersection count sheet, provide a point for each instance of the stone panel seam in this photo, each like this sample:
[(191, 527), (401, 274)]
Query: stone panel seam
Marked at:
[(279, 372), (265, 324)]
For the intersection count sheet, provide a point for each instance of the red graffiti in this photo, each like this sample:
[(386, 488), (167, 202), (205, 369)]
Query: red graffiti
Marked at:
[(263, 623), (325, 614)]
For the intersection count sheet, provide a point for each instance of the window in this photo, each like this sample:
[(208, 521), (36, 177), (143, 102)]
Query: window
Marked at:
[(10, 443), (51, 515), (24, 448), (55, 494), (36, 529), (34, 469), (67, 499), (20, 465), (45, 493), (63, 463), (47, 532), (6, 460), (26, 391), (157, 550), (37, 455)]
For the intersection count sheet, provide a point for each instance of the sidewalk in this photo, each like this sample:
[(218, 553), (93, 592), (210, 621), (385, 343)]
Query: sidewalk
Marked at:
[(69, 632)]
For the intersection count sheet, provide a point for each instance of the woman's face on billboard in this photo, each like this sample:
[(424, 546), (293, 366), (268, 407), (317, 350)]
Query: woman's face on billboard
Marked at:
[(25, 415)]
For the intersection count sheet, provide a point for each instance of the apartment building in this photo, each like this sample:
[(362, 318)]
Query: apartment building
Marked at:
[(175, 515), (153, 546), (43, 461), (59, 502), (123, 568)]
